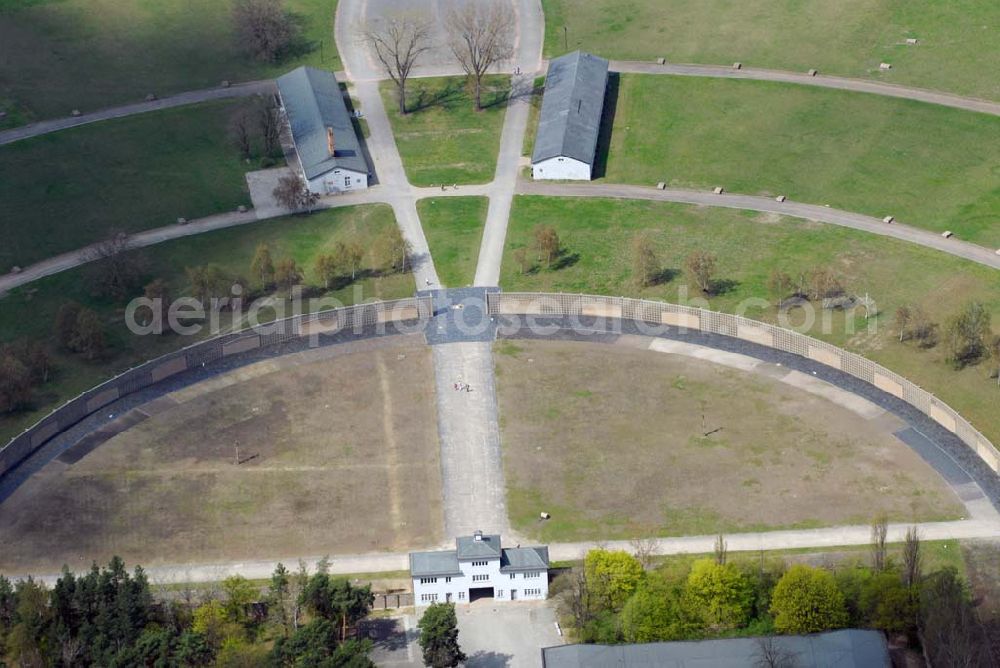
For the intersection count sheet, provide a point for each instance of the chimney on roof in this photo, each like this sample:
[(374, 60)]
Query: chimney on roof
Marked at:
[(478, 536), (329, 141)]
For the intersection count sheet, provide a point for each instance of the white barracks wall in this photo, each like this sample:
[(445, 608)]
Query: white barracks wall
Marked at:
[(561, 169)]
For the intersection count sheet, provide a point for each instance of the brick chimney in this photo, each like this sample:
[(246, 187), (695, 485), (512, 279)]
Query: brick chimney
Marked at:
[(329, 141)]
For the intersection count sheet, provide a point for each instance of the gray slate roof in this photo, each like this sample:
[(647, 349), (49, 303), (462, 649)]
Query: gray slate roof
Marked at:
[(848, 648), (524, 559), (571, 108), (470, 548), (314, 102), (434, 564)]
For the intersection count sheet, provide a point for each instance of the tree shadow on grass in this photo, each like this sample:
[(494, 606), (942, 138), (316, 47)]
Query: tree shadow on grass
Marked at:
[(664, 276), (565, 260), (420, 98), (722, 286), (607, 125)]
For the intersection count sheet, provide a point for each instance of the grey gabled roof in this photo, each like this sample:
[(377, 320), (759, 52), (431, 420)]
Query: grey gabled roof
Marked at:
[(571, 108), (434, 564), (314, 102), (848, 648), (470, 548), (524, 559)]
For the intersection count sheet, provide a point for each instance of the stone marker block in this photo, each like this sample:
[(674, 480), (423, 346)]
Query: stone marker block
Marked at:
[(998, 251), (76, 112), (661, 61), (225, 83), (688, 320), (718, 190), (151, 97), (887, 384), (182, 221), (884, 66), (911, 40), (737, 65), (942, 417), (824, 356), (813, 73), (241, 208), (17, 270), (947, 234), (661, 186), (888, 219), (602, 310), (780, 198)]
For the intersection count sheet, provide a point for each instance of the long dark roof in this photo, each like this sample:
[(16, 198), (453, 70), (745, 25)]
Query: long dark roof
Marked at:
[(515, 559), (314, 102), (571, 108), (848, 648)]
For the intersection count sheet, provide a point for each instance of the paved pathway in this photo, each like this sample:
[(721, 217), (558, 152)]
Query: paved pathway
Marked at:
[(178, 100), (75, 258), (803, 78), (508, 163), (953, 246)]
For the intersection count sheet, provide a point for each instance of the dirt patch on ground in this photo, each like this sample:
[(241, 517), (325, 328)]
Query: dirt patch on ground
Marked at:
[(338, 456), (612, 442)]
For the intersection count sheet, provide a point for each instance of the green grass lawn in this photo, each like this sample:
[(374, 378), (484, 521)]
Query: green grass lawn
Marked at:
[(68, 189), (596, 235), (29, 311), (929, 166), (958, 49), (90, 54), (454, 230), (442, 139)]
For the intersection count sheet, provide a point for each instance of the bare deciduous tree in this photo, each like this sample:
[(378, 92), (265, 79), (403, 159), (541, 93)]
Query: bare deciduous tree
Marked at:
[(780, 285), (995, 357), (700, 267), (911, 557), (293, 193), (270, 128), (904, 316), (480, 34), (721, 550), (644, 550), (547, 243), (264, 29), (645, 264), (521, 257), (770, 654), (398, 43), (880, 529), (117, 269), (240, 129)]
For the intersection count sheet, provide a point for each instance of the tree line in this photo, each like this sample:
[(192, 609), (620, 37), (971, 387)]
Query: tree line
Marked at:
[(118, 272), (110, 617), (617, 597)]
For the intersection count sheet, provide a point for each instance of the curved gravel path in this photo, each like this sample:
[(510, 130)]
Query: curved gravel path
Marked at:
[(822, 214), (180, 99), (802, 78)]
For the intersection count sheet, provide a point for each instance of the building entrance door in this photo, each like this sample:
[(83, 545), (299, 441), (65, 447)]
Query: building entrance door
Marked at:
[(447, 597), (513, 594)]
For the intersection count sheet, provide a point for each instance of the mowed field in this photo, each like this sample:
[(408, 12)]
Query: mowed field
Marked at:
[(60, 55), (611, 441), (596, 235), (330, 466), (454, 229), (928, 166), (65, 190), (958, 40), (442, 139)]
